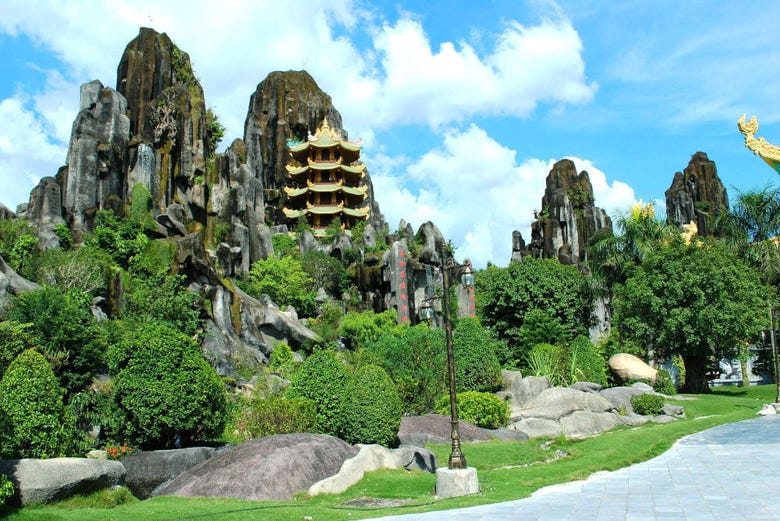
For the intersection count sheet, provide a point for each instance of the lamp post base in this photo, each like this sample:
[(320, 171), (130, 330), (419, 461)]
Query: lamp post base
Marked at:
[(456, 482)]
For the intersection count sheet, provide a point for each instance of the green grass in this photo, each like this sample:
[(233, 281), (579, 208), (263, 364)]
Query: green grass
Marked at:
[(507, 470)]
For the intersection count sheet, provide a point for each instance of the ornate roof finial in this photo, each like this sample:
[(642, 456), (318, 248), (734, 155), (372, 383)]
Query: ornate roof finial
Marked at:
[(760, 146)]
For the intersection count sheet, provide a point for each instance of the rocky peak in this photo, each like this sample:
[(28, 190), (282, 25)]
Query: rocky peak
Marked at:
[(568, 219), (696, 194)]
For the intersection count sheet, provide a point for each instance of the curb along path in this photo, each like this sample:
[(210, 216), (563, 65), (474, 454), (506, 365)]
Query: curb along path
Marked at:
[(728, 472)]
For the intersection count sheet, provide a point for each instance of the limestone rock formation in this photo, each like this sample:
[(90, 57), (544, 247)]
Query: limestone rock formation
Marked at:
[(568, 219), (696, 194), (44, 211), (96, 159)]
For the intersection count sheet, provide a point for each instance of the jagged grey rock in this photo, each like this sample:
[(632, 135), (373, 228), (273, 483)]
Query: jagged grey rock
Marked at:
[(432, 243), (588, 387), (620, 397), (696, 194), (47, 480), (538, 427), (522, 390), (11, 283), (375, 457), (96, 155), (270, 468), (149, 470), (44, 211), (675, 411), (6, 213)]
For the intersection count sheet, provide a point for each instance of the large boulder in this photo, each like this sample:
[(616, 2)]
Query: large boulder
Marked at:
[(47, 480), (150, 469), (518, 391), (581, 424), (620, 397), (538, 427), (557, 402), (627, 367), (270, 468), (436, 428), (375, 457)]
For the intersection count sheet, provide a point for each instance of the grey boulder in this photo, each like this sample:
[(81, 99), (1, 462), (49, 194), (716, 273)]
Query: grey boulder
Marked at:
[(151, 469)]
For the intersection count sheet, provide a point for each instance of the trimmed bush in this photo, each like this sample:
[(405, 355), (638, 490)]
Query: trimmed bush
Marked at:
[(664, 383), (484, 410), (275, 415), (31, 409), (371, 412), (323, 380), (647, 404), (415, 358), (476, 363), (165, 394)]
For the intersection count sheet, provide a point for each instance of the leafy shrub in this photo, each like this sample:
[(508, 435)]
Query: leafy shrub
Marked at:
[(362, 328), (476, 363), (664, 383), (275, 415), (15, 337), (84, 269), (284, 281), (539, 327), (165, 394), (647, 403), (323, 380), (282, 360), (122, 239), (371, 412), (327, 272), (415, 358), (484, 410), (69, 335), (32, 409), (63, 236), (163, 299), (586, 363), (6, 489), (284, 245)]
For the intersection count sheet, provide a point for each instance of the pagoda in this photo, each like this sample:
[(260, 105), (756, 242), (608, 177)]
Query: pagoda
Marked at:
[(325, 181)]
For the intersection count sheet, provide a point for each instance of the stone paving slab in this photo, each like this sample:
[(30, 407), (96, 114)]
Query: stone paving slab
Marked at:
[(728, 472)]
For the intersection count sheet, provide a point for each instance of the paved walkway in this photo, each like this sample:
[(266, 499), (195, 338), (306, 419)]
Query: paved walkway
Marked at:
[(730, 472)]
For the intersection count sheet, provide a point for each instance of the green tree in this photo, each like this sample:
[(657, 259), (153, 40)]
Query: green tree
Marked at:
[(15, 337), (284, 281), (695, 300), (753, 226), (165, 394), (415, 358), (163, 299), (476, 363), (32, 409), (506, 295)]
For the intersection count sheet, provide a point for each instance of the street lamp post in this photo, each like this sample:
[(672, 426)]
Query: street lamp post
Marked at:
[(456, 460)]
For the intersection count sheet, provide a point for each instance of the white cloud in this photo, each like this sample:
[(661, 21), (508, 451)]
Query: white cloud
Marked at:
[(26, 154), (616, 198), (528, 65)]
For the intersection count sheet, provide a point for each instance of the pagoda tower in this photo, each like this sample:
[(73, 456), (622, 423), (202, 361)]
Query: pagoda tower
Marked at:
[(325, 181)]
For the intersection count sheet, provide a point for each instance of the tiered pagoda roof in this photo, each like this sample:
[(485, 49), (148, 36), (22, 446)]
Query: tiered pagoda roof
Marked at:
[(325, 180)]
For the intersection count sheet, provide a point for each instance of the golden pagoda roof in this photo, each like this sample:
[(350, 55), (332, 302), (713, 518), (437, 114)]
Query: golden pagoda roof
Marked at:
[(760, 146), (326, 137)]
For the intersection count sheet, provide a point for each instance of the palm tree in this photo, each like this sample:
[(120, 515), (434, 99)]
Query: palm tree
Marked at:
[(614, 257), (753, 227)]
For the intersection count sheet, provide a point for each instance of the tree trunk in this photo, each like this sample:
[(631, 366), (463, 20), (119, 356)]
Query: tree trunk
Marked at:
[(696, 375)]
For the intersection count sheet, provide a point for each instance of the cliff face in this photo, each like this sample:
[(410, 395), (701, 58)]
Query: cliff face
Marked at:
[(696, 194), (568, 219)]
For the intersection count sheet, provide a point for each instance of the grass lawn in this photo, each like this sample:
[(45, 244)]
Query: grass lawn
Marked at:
[(507, 470)]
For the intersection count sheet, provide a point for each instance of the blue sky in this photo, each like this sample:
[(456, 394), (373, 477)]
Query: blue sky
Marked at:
[(462, 106)]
